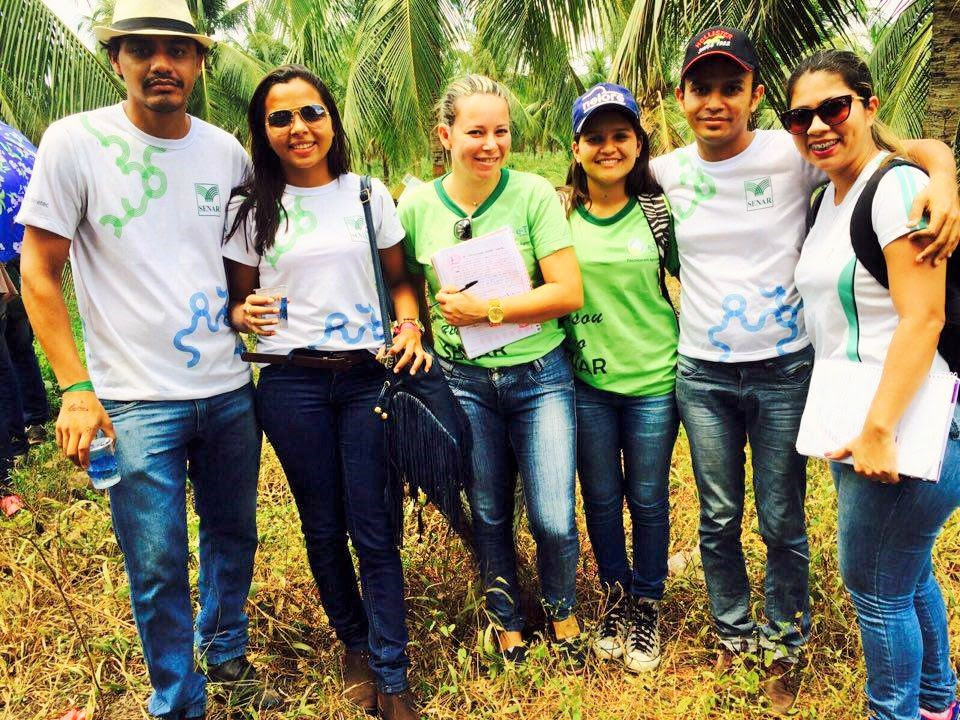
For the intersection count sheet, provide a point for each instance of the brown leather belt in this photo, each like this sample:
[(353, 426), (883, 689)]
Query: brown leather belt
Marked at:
[(304, 357)]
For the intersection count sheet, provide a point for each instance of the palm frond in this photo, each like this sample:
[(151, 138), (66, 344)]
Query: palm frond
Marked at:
[(900, 65), (397, 73), (47, 72), (650, 52)]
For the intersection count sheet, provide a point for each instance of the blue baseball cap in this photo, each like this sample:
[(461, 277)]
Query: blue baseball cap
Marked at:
[(603, 95)]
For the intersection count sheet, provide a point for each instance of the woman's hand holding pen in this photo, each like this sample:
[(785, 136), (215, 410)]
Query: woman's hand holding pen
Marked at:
[(461, 308)]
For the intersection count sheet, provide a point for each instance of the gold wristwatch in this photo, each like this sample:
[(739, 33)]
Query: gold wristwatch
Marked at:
[(495, 312)]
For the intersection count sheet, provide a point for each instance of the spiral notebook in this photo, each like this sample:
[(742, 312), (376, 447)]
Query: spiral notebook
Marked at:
[(494, 262), (840, 396)]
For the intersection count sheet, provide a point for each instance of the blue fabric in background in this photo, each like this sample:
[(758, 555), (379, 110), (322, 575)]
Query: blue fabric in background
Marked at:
[(16, 163)]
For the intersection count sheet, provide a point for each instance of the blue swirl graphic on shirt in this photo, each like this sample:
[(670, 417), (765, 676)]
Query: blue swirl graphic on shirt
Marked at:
[(200, 306), (735, 308), (337, 322)]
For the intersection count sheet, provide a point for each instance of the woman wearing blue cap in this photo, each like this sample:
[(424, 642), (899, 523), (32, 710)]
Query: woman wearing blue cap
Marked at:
[(627, 416)]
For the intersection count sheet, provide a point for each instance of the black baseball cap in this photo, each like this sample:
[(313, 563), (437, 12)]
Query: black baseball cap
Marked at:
[(724, 42)]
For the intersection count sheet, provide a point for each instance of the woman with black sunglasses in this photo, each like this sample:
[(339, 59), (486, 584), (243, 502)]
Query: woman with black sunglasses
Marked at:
[(518, 398), (299, 223), (887, 524)]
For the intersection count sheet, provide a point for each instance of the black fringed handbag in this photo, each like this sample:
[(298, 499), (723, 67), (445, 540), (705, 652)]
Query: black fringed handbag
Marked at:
[(428, 440)]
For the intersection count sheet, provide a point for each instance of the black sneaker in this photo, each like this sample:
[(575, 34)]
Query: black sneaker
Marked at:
[(572, 645), (239, 685), (35, 434), (608, 643), (642, 646)]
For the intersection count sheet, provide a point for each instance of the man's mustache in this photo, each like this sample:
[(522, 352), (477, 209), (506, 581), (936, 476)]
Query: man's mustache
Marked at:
[(163, 80)]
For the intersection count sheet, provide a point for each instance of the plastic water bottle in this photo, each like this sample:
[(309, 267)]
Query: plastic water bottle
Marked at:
[(103, 469)]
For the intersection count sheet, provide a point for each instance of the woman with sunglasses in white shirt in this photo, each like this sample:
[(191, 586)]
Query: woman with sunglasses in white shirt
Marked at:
[(299, 223), (887, 524)]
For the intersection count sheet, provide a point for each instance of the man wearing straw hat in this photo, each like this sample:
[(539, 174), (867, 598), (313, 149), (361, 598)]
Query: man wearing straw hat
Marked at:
[(134, 195)]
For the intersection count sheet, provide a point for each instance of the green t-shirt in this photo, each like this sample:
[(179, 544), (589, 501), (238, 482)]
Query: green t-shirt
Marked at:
[(624, 337), (523, 201)]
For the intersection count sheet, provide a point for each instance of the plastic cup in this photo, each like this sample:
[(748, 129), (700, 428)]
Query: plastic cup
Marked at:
[(280, 293), (103, 469)]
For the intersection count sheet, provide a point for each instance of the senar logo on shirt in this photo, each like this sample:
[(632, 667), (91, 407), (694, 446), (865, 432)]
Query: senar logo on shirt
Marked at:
[(642, 249), (208, 199), (758, 193)]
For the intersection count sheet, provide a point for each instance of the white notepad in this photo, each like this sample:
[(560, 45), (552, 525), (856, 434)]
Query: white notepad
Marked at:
[(840, 396), (494, 261)]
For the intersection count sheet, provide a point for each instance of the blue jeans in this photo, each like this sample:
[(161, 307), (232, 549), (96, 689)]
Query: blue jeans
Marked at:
[(332, 448), (522, 417), (624, 446), (723, 405), (219, 438), (885, 536)]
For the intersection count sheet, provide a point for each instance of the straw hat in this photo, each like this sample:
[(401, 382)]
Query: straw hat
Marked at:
[(151, 17)]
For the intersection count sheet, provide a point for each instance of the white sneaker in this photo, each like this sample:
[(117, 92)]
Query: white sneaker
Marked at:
[(609, 642), (642, 644)]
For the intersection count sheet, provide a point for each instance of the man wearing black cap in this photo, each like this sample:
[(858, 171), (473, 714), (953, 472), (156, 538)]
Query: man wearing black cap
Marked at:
[(739, 198)]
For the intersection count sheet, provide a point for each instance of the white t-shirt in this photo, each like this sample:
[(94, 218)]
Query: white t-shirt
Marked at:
[(145, 216), (323, 257), (850, 316), (739, 226)]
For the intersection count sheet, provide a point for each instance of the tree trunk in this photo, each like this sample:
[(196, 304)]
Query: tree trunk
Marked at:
[(943, 102), (386, 166), (438, 155)]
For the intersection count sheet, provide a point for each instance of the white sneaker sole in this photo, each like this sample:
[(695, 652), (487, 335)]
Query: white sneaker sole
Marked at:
[(640, 666), (608, 653)]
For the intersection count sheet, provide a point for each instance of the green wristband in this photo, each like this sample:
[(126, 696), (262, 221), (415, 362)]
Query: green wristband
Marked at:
[(79, 387)]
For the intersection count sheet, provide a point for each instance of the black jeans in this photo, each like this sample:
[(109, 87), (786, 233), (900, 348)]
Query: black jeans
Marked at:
[(11, 412), (331, 446)]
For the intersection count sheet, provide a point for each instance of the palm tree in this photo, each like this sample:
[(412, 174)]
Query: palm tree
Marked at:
[(655, 34), (943, 102), (47, 71), (900, 65)]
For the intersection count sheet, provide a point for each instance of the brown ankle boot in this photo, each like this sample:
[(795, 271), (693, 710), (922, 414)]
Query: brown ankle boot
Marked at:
[(399, 706), (779, 685), (359, 683)]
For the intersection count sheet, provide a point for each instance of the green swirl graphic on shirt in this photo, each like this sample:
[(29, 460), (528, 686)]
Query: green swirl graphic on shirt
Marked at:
[(301, 222), (697, 180), (152, 179)]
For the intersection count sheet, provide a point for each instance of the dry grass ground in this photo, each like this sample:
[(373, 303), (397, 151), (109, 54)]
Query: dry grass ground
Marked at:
[(66, 628)]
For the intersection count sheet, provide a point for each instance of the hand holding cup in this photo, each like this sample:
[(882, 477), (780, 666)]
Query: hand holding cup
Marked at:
[(260, 313)]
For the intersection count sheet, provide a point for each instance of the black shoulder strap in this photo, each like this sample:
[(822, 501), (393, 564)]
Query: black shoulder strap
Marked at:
[(657, 213), (386, 306), (862, 235), (816, 198)]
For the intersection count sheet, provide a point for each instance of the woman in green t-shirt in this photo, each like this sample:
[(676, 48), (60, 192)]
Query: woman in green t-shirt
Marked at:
[(519, 397), (624, 350)]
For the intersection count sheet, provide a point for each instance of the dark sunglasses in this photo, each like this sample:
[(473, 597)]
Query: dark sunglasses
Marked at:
[(833, 112), (308, 113), (463, 229)]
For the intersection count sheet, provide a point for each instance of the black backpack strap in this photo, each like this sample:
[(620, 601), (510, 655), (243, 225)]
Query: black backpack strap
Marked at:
[(657, 212), (386, 305), (863, 237), (816, 198)]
